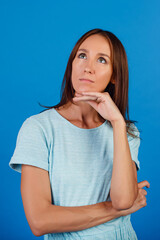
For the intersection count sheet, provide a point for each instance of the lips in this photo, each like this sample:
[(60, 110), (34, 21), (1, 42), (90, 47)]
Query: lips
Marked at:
[(85, 80)]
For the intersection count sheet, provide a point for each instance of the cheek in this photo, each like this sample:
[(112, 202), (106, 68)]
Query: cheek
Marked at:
[(77, 64), (105, 74), (77, 68)]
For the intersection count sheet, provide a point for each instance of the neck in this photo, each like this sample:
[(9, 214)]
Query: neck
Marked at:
[(83, 112)]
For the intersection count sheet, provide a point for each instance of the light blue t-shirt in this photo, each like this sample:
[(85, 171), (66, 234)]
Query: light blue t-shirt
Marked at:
[(79, 162)]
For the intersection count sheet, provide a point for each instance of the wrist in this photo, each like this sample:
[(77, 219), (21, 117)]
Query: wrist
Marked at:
[(118, 122)]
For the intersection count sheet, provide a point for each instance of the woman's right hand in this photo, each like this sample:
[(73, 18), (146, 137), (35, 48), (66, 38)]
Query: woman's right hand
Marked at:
[(140, 201)]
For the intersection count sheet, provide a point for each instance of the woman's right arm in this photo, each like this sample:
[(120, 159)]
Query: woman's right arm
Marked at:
[(44, 217)]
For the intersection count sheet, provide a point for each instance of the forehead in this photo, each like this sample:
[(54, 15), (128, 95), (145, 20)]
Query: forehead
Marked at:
[(96, 43)]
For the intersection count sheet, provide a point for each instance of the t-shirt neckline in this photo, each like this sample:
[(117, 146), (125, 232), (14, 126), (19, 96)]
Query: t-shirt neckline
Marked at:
[(74, 126)]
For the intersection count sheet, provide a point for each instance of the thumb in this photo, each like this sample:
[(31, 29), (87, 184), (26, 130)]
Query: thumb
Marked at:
[(144, 183)]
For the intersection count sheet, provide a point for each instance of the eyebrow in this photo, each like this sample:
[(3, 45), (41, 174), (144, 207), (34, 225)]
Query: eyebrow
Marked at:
[(102, 54)]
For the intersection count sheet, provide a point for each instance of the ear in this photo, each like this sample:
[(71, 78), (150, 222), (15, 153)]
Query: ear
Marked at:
[(112, 81)]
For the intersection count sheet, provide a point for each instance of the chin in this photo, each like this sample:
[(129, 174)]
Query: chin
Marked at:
[(84, 89)]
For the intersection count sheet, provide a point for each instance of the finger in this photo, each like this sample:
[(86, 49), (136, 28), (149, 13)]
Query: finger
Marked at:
[(144, 192), (144, 183), (78, 94), (97, 94), (84, 98)]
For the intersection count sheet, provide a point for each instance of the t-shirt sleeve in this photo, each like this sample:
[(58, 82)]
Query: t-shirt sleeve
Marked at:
[(31, 146), (134, 143)]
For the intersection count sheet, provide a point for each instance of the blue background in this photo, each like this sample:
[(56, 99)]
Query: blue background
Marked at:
[(36, 40)]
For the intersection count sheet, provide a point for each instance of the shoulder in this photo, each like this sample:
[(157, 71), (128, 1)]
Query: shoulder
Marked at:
[(42, 119), (39, 124), (133, 129)]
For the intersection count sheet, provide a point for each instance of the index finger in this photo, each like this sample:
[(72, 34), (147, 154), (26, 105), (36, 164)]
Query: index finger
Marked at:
[(144, 183)]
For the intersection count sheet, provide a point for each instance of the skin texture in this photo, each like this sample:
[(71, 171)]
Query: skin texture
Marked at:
[(102, 103), (92, 66)]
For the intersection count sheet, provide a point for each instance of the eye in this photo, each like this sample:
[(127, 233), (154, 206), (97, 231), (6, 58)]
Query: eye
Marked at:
[(81, 54), (103, 60)]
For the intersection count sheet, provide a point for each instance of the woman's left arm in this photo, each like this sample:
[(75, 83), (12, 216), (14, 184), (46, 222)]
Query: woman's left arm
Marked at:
[(124, 186)]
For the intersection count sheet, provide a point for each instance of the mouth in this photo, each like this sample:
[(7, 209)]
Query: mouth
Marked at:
[(85, 80)]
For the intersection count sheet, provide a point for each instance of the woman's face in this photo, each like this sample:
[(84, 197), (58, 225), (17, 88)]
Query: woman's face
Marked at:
[(92, 61)]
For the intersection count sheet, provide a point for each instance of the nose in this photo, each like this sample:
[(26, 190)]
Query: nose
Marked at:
[(89, 68)]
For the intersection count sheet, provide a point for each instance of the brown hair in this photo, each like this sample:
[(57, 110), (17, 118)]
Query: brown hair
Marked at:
[(117, 90)]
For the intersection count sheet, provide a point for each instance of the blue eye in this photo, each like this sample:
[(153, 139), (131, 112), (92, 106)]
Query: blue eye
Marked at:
[(81, 54), (103, 59)]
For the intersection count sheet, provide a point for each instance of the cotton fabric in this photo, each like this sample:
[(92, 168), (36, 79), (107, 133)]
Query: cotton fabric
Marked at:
[(79, 162)]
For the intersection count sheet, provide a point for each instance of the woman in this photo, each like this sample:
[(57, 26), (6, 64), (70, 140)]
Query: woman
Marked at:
[(78, 159)]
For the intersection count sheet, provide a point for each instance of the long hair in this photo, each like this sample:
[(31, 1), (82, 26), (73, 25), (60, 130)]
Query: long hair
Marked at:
[(117, 90)]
